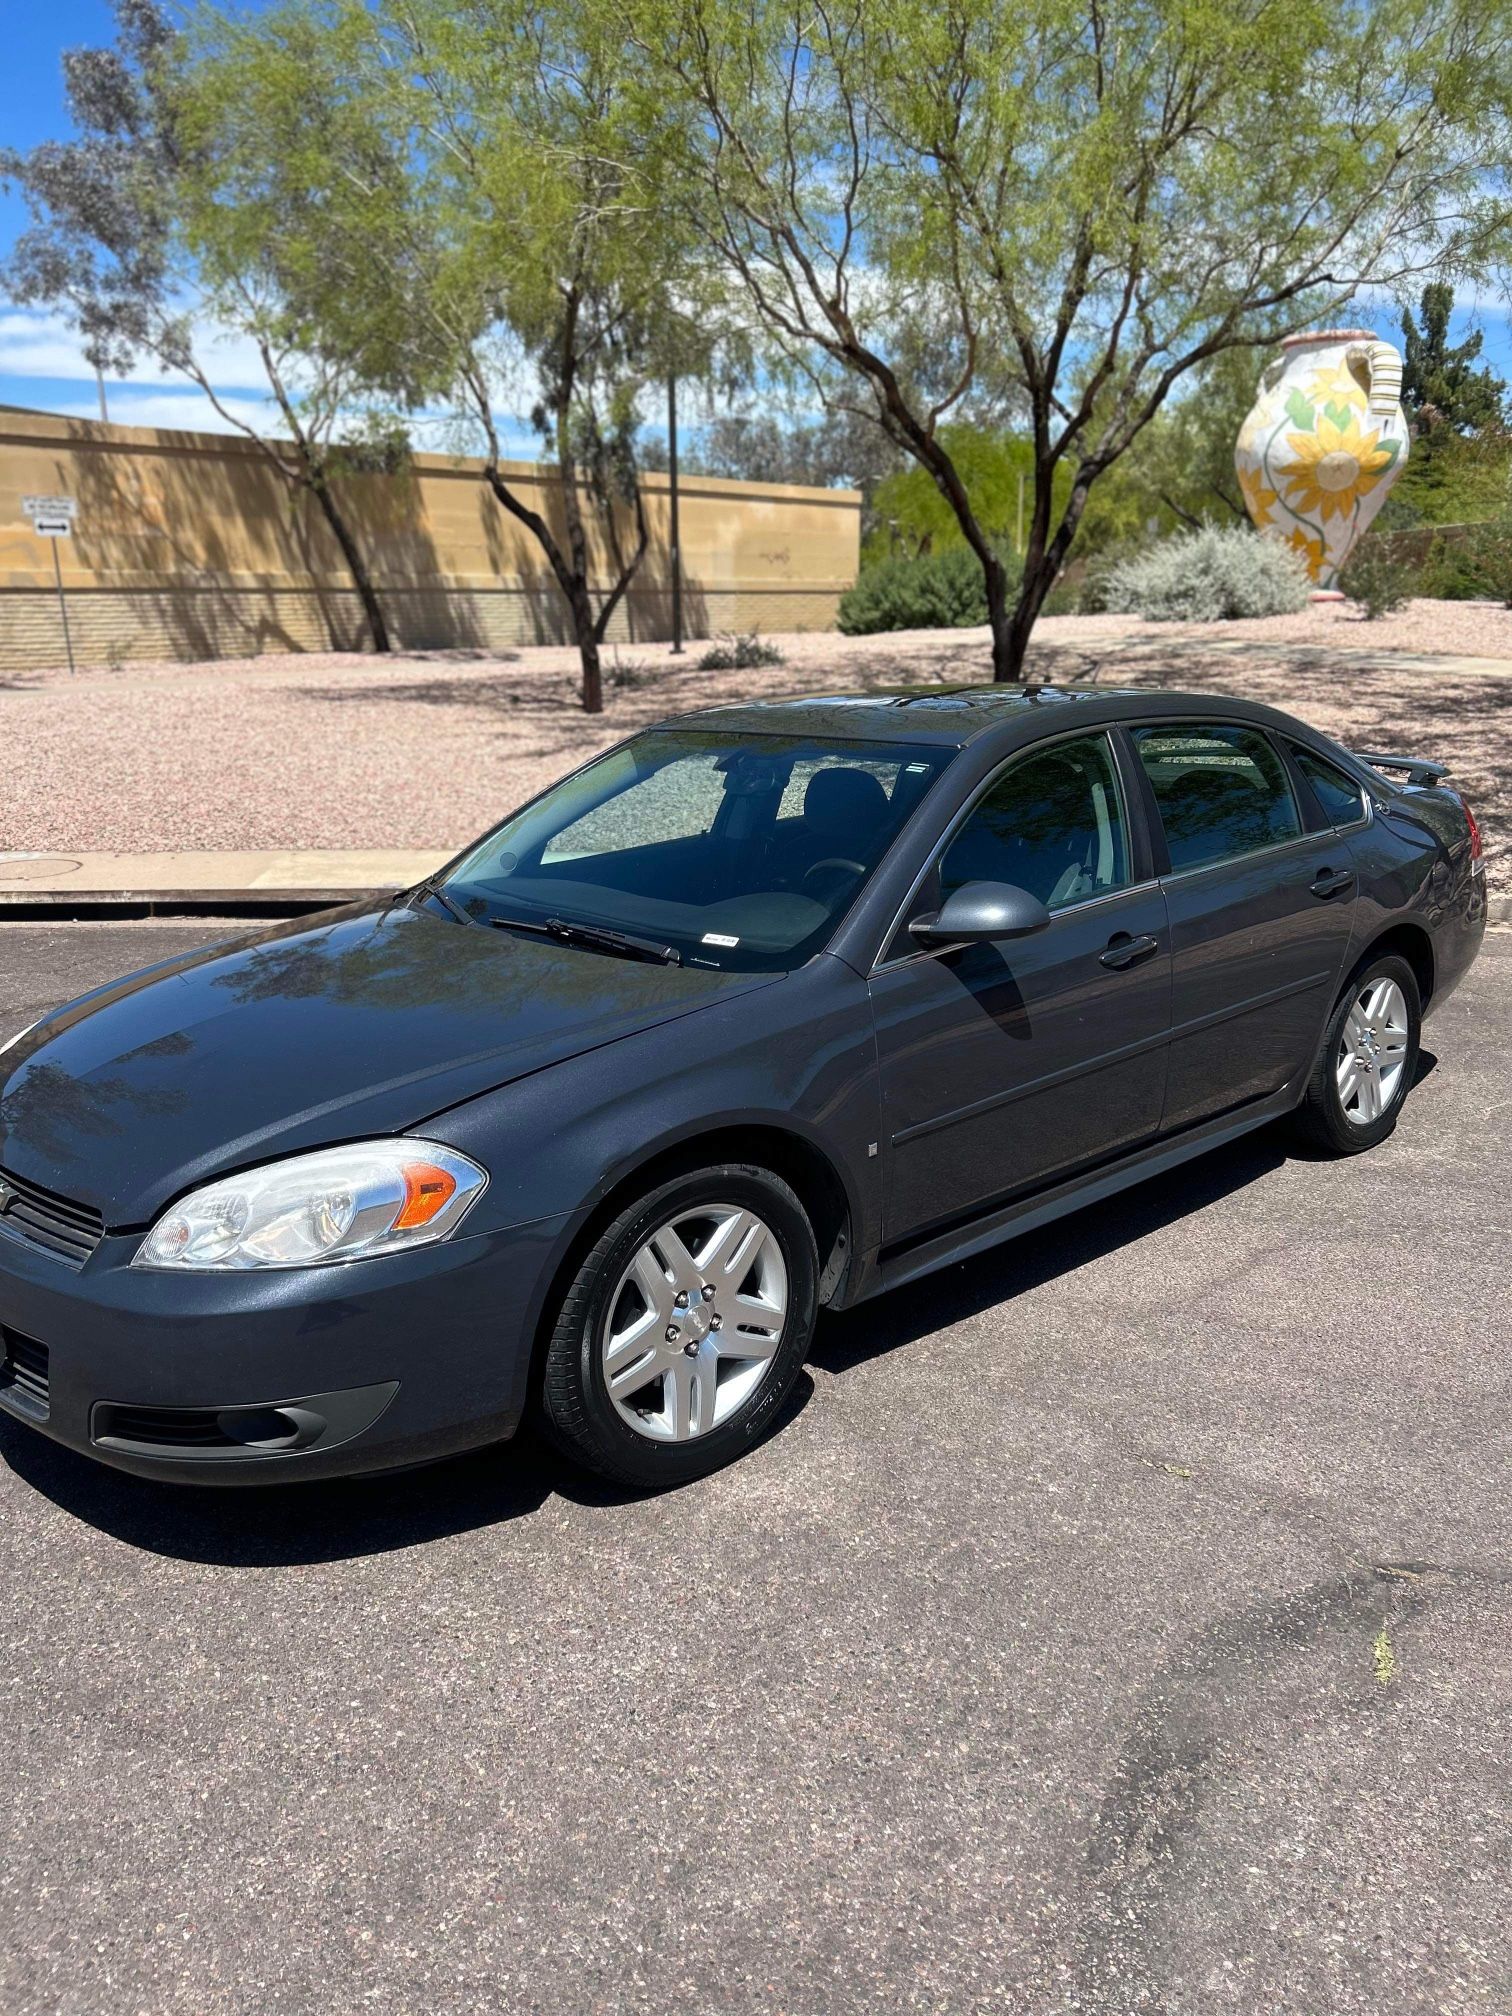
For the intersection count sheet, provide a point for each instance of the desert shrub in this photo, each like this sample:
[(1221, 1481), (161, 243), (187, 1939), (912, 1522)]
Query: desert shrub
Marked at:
[(1475, 565), (1208, 576), (1376, 579), (1092, 594), (937, 591), (739, 654), (628, 673)]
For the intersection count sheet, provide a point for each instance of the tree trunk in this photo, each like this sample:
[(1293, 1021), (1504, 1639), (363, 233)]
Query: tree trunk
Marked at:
[(581, 604), (356, 565)]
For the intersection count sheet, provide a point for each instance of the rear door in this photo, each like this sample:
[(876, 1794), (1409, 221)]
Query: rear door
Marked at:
[(1005, 1065), (1261, 914)]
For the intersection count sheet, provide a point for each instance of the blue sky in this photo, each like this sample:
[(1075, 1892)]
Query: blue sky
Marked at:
[(40, 364)]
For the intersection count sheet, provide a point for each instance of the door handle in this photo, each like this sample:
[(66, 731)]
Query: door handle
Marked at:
[(1126, 951), (1331, 881)]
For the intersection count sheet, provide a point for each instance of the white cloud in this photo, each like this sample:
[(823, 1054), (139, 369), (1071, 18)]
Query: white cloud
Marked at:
[(188, 409), (34, 344)]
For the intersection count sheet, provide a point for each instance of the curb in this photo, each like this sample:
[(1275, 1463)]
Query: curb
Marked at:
[(61, 906)]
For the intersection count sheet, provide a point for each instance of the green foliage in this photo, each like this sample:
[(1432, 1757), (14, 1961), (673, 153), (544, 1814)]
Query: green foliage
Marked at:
[(1470, 566), (1451, 479), (1209, 576), (743, 653), (913, 517), (1089, 205), (1376, 579), (935, 591), (1441, 388), (1180, 470)]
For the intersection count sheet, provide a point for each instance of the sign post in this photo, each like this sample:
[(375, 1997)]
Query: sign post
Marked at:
[(53, 518)]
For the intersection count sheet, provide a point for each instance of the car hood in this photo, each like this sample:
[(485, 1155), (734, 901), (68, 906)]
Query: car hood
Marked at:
[(365, 1022)]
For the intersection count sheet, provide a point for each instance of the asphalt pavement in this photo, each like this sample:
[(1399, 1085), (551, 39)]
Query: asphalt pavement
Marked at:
[(1121, 1622)]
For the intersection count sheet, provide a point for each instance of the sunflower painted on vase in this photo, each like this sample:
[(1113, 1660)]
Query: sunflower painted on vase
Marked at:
[(1324, 441)]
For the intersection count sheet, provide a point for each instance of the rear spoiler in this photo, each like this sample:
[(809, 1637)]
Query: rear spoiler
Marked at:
[(1419, 770)]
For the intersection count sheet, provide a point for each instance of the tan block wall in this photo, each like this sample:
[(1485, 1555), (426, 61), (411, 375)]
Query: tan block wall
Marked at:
[(192, 546)]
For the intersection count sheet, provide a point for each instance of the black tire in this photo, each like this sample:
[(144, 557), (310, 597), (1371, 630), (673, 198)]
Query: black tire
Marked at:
[(578, 1413), (1321, 1119)]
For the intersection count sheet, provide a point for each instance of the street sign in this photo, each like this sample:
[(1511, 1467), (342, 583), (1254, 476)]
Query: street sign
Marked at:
[(53, 518)]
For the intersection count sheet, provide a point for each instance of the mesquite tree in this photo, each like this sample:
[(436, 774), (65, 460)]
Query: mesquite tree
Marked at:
[(130, 242), (484, 234), (1095, 196)]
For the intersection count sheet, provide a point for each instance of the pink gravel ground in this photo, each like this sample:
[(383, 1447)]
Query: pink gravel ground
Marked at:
[(331, 750)]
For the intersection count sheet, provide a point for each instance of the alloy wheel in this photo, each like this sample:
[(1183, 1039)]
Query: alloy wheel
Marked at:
[(695, 1322), (1372, 1052)]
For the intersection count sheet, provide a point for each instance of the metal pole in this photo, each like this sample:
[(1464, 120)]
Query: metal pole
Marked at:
[(1020, 532), (62, 603), (677, 620), (100, 381)]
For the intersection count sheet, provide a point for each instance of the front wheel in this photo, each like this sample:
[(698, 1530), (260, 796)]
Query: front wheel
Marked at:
[(1368, 1060), (684, 1328)]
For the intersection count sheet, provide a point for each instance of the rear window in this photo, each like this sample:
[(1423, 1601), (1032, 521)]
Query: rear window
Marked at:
[(1222, 791), (1342, 799)]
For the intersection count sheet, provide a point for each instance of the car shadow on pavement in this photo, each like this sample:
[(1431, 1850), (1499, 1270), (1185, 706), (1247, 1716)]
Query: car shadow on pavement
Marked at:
[(958, 1292), (297, 1525), (300, 1524)]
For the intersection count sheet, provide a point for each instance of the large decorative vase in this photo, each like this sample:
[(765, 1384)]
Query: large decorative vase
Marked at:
[(1325, 440)]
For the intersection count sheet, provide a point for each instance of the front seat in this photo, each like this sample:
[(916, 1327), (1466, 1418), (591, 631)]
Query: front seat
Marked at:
[(843, 812)]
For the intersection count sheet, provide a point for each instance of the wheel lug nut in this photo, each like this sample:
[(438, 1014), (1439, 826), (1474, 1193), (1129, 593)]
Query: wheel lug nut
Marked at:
[(690, 1349), (708, 1291), (716, 1322), (673, 1333), (680, 1299)]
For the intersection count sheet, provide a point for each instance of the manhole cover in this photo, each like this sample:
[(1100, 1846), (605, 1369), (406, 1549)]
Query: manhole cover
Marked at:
[(34, 867)]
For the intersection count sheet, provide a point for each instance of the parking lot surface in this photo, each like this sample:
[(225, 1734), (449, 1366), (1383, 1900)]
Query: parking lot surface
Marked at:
[(1121, 1622)]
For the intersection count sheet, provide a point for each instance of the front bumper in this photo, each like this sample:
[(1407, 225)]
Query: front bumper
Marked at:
[(259, 1378)]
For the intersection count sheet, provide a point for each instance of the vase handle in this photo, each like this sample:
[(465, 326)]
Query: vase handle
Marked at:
[(1385, 362)]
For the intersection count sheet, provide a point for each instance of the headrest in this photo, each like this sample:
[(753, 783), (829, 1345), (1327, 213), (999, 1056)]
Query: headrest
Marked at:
[(840, 801)]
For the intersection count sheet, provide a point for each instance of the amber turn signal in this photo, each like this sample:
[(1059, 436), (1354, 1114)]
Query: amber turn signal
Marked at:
[(426, 1190)]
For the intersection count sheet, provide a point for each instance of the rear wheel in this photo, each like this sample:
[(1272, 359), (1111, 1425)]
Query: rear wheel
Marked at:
[(1368, 1060), (684, 1327)]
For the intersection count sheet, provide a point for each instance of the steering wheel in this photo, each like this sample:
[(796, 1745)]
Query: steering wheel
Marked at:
[(854, 868)]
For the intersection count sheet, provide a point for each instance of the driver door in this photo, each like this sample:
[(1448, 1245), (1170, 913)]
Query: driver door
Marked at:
[(1006, 1065)]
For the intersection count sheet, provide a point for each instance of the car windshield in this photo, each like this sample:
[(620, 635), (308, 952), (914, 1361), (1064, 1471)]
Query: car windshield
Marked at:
[(738, 852)]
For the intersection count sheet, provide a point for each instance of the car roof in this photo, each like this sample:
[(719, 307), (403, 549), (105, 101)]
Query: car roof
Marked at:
[(956, 715)]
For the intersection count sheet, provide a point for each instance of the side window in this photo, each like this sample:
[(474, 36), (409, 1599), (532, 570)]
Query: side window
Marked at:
[(1342, 799), (1052, 824), (1222, 792)]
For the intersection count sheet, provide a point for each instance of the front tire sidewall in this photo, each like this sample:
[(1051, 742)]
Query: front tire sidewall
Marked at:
[(579, 1414)]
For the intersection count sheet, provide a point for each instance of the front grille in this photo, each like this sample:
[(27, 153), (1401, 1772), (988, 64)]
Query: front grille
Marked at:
[(23, 1370), (43, 1218)]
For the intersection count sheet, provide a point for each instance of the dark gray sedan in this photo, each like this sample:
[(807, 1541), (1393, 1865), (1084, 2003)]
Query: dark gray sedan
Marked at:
[(767, 1010)]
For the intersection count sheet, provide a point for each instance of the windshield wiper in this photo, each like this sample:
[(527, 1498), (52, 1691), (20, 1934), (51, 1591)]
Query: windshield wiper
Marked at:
[(431, 886), (596, 937)]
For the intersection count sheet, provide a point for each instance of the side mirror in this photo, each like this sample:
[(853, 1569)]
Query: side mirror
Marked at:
[(980, 912)]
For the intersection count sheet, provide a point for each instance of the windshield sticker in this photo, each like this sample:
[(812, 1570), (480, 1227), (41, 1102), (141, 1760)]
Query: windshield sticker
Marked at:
[(719, 938)]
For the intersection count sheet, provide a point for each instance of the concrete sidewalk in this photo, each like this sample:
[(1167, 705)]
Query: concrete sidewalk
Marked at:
[(239, 880)]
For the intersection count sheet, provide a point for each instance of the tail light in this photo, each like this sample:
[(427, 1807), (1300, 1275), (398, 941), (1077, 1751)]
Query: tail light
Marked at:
[(1470, 821)]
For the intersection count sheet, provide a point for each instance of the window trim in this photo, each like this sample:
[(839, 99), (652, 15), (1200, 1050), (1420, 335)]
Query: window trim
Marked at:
[(1152, 803), (1290, 747), (1137, 856)]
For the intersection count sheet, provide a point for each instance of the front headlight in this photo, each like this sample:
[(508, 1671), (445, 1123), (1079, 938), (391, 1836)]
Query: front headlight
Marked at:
[(337, 1204)]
